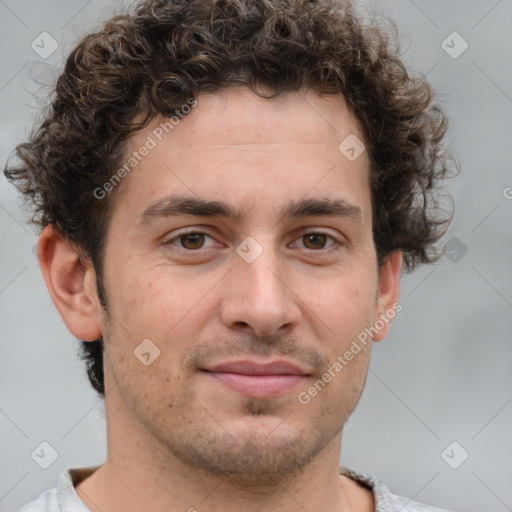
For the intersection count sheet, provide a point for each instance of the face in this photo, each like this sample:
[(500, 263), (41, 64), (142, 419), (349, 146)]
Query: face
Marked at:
[(241, 247)]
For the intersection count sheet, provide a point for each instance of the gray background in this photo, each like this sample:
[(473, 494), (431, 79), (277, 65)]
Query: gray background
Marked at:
[(443, 373)]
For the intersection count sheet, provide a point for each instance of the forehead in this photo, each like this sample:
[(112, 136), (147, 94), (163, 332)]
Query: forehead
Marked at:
[(235, 145), (238, 116)]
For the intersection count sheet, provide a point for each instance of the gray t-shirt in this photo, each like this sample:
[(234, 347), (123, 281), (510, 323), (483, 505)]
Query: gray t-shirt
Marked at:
[(63, 497)]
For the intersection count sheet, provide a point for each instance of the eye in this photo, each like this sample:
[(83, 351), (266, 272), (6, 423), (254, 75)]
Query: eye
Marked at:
[(316, 241), (192, 241)]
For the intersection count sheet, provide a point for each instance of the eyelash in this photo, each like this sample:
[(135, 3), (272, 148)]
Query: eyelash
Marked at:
[(337, 244), (185, 233)]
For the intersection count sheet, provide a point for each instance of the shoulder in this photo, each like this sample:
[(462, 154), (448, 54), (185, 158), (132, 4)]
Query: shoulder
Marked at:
[(385, 500), (46, 502), (62, 497), (407, 505)]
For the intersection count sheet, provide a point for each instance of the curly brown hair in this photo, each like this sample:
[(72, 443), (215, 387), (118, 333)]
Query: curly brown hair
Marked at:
[(152, 60)]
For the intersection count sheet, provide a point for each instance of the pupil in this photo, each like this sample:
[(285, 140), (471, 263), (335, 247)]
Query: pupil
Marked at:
[(192, 240), (315, 241)]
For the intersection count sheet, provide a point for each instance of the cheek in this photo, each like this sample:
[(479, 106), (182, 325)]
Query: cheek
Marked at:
[(166, 309), (344, 303), (139, 297), (343, 310)]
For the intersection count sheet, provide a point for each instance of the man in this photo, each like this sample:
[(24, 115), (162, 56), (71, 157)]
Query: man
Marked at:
[(228, 192)]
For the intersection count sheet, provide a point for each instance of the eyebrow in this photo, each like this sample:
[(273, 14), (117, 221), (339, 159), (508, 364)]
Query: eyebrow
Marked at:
[(173, 206), (323, 207)]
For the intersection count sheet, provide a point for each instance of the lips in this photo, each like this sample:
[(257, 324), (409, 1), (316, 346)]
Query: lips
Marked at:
[(253, 368), (256, 380)]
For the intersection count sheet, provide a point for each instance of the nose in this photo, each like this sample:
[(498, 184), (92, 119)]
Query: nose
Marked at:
[(259, 298)]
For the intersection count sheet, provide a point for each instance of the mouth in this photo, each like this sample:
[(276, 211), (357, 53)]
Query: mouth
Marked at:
[(256, 380)]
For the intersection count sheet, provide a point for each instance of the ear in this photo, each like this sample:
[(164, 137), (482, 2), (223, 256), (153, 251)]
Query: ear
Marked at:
[(71, 282), (388, 294)]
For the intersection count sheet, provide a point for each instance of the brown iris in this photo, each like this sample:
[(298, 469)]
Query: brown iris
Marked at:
[(192, 240), (314, 241)]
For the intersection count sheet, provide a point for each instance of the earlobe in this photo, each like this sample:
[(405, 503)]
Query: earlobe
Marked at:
[(388, 294), (71, 283)]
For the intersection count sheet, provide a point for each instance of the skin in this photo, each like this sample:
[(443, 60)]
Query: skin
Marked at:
[(178, 438)]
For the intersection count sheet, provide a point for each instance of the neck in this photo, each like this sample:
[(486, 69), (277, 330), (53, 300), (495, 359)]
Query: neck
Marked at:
[(137, 476)]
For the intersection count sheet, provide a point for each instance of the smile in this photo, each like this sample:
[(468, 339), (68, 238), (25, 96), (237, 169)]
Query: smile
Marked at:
[(255, 380)]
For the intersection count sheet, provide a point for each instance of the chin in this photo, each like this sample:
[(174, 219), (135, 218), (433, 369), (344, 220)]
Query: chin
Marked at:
[(251, 450)]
